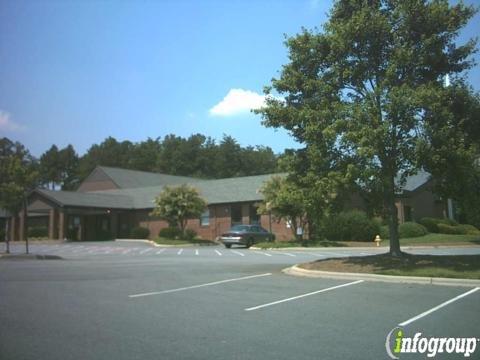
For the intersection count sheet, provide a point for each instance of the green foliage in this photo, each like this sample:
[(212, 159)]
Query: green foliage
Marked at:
[(458, 229), (351, 226), (178, 204), (466, 229), (58, 167), (139, 233), (37, 232), (359, 94), (431, 224), (18, 175), (284, 200), (196, 156), (411, 230), (384, 232), (170, 233), (451, 154), (190, 234), (448, 229)]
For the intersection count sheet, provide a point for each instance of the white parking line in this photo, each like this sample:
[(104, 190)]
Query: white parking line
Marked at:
[(160, 251), (218, 252), (302, 296), (317, 255), (237, 252), (196, 251), (288, 254), (198, 286), (145, 251), (266, 254), (180, 252), (126, 251), (438, 307)]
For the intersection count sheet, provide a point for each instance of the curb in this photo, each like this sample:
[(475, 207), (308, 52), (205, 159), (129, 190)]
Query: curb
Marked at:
[(29, 257), (153, 243), (386, 248), (298, 271)]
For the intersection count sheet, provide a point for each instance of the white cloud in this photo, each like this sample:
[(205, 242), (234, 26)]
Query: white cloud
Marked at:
[(238, 101), (7, 124)]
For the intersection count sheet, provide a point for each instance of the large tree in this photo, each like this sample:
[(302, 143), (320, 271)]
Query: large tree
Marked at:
[(451, 151), (59, 167), (18, 176), (356, 91)]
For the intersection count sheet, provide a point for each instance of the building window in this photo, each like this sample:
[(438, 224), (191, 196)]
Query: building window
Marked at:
[(254, 217), (205, 218), (236, 214)]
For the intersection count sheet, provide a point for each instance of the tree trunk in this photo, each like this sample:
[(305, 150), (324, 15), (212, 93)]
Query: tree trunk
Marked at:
[(7, 235), (25, 224), (392, 218)]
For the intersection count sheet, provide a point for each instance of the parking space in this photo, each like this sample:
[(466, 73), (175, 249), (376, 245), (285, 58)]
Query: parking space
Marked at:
[(124, 301)]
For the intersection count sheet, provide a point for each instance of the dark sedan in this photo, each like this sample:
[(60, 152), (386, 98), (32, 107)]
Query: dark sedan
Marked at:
[(245, 235)]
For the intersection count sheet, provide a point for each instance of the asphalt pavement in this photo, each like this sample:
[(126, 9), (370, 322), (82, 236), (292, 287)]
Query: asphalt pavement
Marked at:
[(133, 301)]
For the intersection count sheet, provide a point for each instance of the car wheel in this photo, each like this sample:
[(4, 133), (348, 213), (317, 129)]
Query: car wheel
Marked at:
[(249, 243), (228, 246)]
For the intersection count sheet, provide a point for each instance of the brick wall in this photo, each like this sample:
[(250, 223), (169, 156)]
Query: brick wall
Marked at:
[(219, 223)]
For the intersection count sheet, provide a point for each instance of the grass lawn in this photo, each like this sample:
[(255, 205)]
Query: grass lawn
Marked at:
[(427, 240), (458, 266), (165, 241), (439, 239)]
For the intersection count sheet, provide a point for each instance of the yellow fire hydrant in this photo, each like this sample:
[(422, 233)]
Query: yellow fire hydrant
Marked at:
[(377, 240)]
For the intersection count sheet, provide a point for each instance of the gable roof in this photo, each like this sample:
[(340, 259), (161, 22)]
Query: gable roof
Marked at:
[(78, 199), (415, 181), (239, 189), (128, 179)]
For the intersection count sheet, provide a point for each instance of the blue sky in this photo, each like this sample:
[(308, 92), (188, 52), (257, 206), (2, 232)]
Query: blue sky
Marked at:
[(75, 72)]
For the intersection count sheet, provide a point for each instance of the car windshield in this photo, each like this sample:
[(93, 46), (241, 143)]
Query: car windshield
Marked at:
[(240, 228)]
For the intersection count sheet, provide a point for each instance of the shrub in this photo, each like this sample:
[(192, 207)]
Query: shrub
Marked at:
[(458, 230), (351, 226), (189, 234), (37, 231), (139, 233), (447, 222), (2, 235), (467, 229), (384, 232), (430, 223), (411, 230), (170, 233)]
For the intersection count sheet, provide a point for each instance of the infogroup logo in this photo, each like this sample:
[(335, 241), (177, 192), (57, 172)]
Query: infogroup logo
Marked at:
[(397, 343)]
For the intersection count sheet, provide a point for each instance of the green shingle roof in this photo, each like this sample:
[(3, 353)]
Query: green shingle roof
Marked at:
[(127, 179), (96, 200), (219, 191)]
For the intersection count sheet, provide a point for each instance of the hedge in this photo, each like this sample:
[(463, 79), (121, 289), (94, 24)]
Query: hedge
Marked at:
[(190, 234), (139, 233), (37, 232), (351, 226), (170, 233), (430, 223), (458, 230), (411, 230)]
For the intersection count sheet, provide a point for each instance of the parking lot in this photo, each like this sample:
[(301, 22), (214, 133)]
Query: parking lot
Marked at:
[(128, 301)]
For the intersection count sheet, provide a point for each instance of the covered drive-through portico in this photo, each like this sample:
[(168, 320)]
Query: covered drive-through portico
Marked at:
[(74, 216)]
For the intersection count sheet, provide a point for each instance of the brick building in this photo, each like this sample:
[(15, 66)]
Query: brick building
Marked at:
[(112, 201)]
